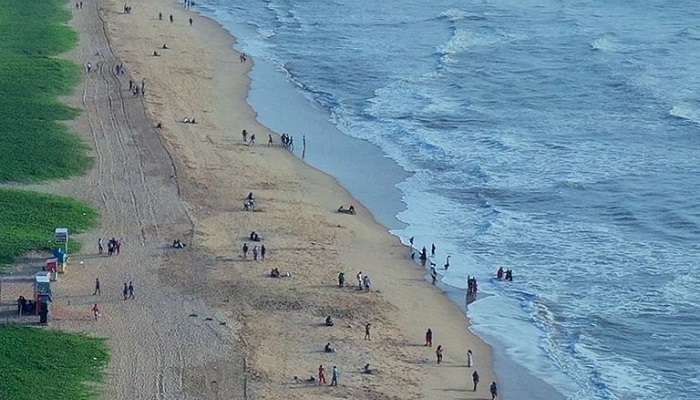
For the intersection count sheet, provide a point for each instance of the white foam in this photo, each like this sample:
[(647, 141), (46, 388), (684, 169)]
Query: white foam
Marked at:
[(454, 14), (685, 111)]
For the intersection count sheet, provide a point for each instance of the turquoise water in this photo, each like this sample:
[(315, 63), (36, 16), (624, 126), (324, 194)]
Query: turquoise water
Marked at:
[(557, 138)]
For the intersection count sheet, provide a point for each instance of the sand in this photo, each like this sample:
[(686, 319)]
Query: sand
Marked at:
[(206, 322)]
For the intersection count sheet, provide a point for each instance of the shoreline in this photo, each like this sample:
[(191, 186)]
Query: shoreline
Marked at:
[(274, 321)]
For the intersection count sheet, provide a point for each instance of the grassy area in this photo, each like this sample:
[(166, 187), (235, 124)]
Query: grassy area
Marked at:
[(28, 219), (35, 145), (49, 364)]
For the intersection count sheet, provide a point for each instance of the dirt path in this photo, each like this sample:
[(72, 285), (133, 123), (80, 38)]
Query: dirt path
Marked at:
[(167, 343)]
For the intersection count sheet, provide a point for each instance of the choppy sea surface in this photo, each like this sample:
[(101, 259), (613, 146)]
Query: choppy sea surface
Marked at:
[(557, 138)]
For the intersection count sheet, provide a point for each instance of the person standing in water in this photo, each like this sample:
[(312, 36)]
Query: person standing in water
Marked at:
[(447, 263)]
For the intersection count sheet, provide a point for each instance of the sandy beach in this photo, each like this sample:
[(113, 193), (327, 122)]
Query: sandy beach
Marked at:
[(208, 323)]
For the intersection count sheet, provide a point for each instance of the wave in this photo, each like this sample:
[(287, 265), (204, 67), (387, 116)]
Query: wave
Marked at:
[(455, 14), (604, 43), (685, 112)]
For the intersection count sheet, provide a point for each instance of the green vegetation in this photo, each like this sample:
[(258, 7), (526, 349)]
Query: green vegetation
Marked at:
[(34, 144), (28, 219), (48, 364)]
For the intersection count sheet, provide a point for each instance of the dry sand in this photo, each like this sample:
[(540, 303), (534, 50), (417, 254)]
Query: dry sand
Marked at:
[(189, 181)]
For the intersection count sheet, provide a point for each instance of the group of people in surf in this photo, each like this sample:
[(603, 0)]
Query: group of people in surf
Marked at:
[(502, 274)]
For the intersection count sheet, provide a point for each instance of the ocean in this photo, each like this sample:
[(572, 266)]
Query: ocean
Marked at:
[(559, 139)]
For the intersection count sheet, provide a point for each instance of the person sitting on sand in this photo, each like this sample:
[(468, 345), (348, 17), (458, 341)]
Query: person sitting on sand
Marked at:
[(155, 53), (329, 321), (351, 209), (367, 370), (328, 348), (275, 273), (254, 236), (177, 244), (250, 196), (165, 46)]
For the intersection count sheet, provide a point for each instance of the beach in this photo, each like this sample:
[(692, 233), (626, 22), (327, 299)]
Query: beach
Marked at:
[(207, 322)]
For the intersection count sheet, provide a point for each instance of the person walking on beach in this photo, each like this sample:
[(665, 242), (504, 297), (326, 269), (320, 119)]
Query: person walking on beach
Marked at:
[(321, 375), (367, 331), (190, 21), (117, 246), (95, 311), (131, 290), (171, 18), (470, 358), (429, 338), (494, 390), (244, 133), (432, 250), (262, 252), (475, 379), (125, 291), (97, 291), (341, 279), (160, 16), (359, 280), (245, 250), (255, 253), (438, 353), (334, 376), (252, 140), (88, 67), (269, 140), (100, 249)]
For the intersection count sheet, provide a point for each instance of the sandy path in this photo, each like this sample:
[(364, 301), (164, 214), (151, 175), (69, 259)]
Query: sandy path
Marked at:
[(159, 351)]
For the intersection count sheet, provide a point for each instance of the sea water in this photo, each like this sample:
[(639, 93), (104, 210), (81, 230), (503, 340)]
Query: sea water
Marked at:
[(560, 139)]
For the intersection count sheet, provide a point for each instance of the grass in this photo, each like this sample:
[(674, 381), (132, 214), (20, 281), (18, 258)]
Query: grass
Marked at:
[(36, 145), (49, 364), (28, 220)]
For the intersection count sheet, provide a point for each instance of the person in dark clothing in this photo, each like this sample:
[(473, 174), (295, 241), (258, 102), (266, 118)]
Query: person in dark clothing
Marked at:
[(475, 379), (131, 290), (341, 279), (429, 338), (125, 291), (97, 291), (494, 391), (367, 331)]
